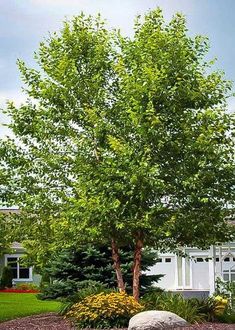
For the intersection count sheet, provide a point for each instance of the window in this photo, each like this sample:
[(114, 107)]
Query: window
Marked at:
[(227, 259), (199, 259), (159, 260), (19, 270), (226, 277), (229, 275), (217, 259), (167, 259)]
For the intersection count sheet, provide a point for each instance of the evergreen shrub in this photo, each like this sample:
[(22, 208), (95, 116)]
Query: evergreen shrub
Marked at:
[(93, 263), (58, 289), (7, 277)]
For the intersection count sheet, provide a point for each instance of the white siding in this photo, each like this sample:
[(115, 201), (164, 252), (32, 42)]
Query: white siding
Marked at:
[(167, 268)]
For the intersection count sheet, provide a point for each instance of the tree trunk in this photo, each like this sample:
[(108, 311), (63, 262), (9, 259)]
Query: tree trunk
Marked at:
[(137, 267), (117, 266)]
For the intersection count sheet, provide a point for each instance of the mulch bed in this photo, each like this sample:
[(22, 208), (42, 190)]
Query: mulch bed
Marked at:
[(52, 321), (49, 321), (211, 326)]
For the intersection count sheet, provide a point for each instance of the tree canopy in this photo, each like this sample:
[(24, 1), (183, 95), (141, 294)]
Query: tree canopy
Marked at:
[(122, 139)]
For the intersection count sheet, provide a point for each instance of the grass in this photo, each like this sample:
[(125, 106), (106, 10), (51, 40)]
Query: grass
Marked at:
[(14, 305)]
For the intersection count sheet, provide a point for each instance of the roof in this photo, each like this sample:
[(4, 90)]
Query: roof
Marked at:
[(9, 211)]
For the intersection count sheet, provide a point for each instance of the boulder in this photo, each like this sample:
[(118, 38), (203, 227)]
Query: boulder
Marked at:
[(154, 320)]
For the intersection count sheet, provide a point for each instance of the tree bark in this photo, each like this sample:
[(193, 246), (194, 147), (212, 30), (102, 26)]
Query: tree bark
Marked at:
[(137, 267), (117, 266)]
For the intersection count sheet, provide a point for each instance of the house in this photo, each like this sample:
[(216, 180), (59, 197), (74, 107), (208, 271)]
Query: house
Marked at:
[(21, 273), (13, 257), (193, 275)]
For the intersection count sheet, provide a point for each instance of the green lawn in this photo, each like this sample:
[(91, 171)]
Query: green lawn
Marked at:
[(13, 305)]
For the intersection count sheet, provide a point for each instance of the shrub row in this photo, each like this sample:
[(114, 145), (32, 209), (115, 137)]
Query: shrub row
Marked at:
[(114, 309)]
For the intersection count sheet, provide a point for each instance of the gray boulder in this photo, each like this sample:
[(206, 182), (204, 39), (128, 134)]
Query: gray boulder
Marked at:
[(154, 320)]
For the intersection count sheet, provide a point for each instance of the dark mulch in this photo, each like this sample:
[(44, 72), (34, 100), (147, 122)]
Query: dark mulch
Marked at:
[(211, 326), (49, 321), (52, 321)]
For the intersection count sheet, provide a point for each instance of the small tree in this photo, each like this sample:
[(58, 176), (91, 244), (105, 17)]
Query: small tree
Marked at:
[(122, 140), (95, 263)]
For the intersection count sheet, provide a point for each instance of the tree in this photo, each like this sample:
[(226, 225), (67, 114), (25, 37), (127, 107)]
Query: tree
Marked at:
[(93, 263), (5, 230), (4, 221), (4, 233), (122, 140)]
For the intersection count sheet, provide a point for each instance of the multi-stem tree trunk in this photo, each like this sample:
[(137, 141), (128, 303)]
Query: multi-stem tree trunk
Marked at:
[(137, 267), (117, 266)]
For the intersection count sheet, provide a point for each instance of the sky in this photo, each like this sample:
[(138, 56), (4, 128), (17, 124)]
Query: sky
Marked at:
[(24, 23)]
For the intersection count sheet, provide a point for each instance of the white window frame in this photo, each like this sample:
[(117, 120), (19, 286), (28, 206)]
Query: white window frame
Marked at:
[(229, 272), (18, 256)]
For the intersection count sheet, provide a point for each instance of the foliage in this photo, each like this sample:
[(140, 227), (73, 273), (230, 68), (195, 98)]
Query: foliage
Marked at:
[(58, 289), (105, 310), (121, 138), (88, 288), (191, 309), (174, 303), (7, 277), (205, 306), (27, 286), (15, 305), (71, 290), (211, 307), (5, 230), (226, 289), (93, 263), (227, 317), (220, 305), (85, 289)]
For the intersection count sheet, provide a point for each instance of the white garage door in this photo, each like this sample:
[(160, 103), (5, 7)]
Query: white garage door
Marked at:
[(200, 273)]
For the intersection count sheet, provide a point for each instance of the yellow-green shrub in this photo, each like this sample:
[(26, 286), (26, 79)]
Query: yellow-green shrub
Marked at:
[(220, 305), (105, 310)]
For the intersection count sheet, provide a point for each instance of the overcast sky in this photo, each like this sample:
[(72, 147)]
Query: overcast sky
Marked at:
[(24, 23)]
